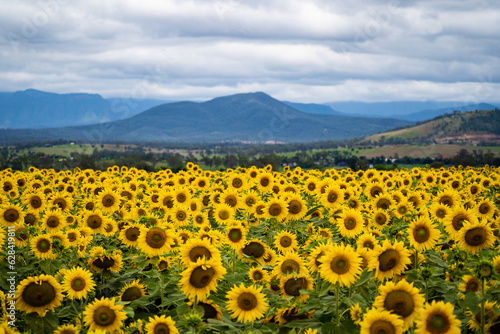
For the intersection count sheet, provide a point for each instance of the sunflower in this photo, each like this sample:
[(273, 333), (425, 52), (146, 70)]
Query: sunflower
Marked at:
[(154, 241), (332, 196), (100, 260), (62, 201), (53, 220), (200, 278), (41, 245), (78, 283), (356, 313), (247, 304), (383, 202), (380, 218), (67, 329), (341, 264), (455, 220), (108, 201), (196, 249), (469, 283), (161, 324), (381, 321), (285, 241), (95, 220), (438, 318), (439, 211), (257, 274), (297, 207), (11, 214), (223, 213), (264, 182), (474, 189), (235, 235), (401, 298), (21, 235), (374, 189), (485, 209), (210, 310), (402, 208), (447, 197), (248, 199), (129, 235), (289, 263), (104, 315), (314, 259), (367, 241), (389, 259), (350, 223), (490, 318), (291, 285), (289, 314), (237, 182), (255, 248), (34, 201), (422, 234), (38, 294), (276, 208), (475, 236), (132, 291), (231, 198)]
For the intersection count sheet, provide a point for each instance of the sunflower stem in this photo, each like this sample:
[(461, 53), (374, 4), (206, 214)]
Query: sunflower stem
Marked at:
[(483, 315), (337, 293)]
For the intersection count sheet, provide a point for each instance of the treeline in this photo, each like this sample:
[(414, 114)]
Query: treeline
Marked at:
[(216, 158)]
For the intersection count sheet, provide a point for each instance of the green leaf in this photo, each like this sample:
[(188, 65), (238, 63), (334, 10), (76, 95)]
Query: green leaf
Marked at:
[(366, 275), (472, 302)]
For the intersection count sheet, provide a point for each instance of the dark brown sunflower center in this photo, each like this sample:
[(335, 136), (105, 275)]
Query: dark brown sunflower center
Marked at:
[(30, 219), (382, 327), (161, 328), (476, 236), (237, 183), (437, 323), (293, 286), (11, 215), (484, 208), (257, 275), (36, 202), (181, 215), (380, 218), (247, 301), (132, 233), (458, 221), (181, 198), (108, 201), (421, 234), (474, 190), (340, 265), (254, 249), (224, 214), (235, 235), (43, 245), (285, 241), (400, 302), (209, 311), (455, 184), (38, 294), (60, 202), (294, 207), (131, 294), (168, 202), (446, 200), (440, 213), (374, 191), (290, 266), (350, 223), (264, 182), (275, 209), (332, 197), (199, 252), (318, 257), (388, 260), (104, 316), (231, 200), (368, 244), (156, 238), (200, 277), (472, 285), (78, 284), (383, 204), (402, 210), (94, 221), (52, 222), (104, 263)]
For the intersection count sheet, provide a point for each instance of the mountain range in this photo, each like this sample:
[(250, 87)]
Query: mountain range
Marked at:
[(246, 118)]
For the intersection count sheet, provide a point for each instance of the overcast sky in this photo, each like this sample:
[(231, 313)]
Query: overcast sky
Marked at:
[(303, 51)]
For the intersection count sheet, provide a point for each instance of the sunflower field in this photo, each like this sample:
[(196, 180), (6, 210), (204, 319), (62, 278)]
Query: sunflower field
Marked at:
[(250, 251)]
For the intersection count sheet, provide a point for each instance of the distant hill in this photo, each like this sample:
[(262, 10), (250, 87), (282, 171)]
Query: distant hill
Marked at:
[(250, 117), (473, 127), (314, 108), (409, 110), (37, 109)]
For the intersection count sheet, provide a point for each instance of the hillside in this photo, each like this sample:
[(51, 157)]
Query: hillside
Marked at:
[(37, 109), (247, 118), (473, 127)]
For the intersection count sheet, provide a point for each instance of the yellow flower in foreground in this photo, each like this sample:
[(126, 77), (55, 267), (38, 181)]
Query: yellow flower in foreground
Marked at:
[(247, 304)]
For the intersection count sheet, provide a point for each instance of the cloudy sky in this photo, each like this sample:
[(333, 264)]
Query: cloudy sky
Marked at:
[(302, 51)]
